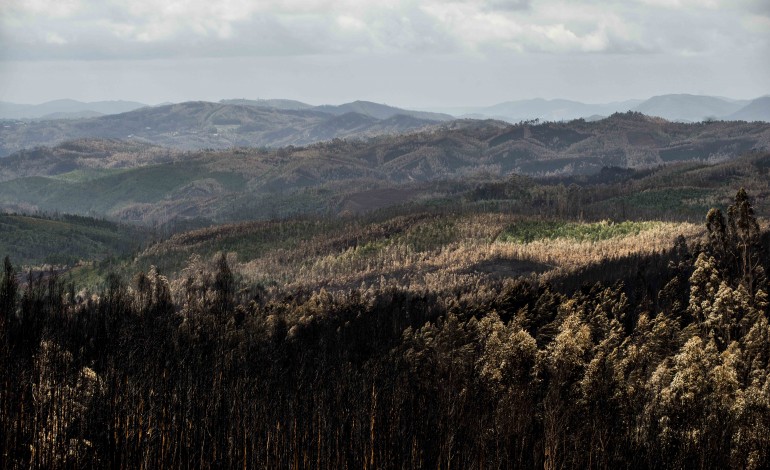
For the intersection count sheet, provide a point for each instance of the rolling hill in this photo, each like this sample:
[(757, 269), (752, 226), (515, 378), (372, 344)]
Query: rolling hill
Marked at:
[(142, 183), (291, 105), (686, 107), (64, 239), (756, 110), (381, 111), (468, 294), (199, 125)]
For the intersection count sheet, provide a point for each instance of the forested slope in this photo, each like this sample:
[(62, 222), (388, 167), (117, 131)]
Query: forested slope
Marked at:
[(140, 183), (665, 366)]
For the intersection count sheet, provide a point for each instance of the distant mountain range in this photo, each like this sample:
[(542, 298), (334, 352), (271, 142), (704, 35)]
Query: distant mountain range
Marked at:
[(673, 107), (680, 107), (280, 122), (71, 109), (690, 107), (65, 109), (756, 110), (199, 125)]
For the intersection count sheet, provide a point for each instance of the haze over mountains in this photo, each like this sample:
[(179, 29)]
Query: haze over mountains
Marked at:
[(676, 107), (673, 107), (756, 110), (65, 109), (280, 122), (69, 109)]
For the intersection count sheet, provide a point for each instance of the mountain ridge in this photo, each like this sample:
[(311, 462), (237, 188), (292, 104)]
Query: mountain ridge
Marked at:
[(197, 125), (756, 110), (673, 107), (137, 182)]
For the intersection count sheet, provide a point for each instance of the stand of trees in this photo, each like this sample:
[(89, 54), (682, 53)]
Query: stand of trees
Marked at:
[(505, 375)]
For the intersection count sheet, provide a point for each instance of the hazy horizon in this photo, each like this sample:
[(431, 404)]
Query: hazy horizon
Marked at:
[(403, 53), (405, 106)]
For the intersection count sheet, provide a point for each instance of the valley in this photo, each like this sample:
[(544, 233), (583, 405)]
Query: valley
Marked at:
[(506, 280), (144, 183), (487, 234)]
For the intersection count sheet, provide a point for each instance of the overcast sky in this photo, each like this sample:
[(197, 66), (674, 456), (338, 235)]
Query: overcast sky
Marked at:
[(406, 53)]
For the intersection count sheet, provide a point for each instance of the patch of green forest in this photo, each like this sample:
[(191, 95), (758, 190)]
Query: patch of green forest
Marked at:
[(64, 239), (529, 230)]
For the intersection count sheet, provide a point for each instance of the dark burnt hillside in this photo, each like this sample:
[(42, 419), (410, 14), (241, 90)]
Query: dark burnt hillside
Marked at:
[(663, 365)]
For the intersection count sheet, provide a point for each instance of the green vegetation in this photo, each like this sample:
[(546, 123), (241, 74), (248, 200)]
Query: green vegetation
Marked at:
[(105, 192), (527, 231), (683, 201), (86, 174), (65, 240), (430, 236)]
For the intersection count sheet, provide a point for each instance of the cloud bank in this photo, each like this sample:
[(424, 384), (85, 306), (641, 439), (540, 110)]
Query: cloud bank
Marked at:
[(142, 29), (400, 51)]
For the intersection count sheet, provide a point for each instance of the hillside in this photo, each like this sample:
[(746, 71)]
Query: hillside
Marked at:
[(414, 247), (381, 111), (689, 107), (199, 125), (490, 229), (140, 183), (487, 321), (756, 110), (84, 158), (270, 103), (64, 240), (483, 338)]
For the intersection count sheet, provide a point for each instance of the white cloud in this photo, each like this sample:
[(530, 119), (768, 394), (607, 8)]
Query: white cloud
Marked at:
[(680, 4), (36, 8), (153, 28), (554, 27), (350, 23), (53, 38)]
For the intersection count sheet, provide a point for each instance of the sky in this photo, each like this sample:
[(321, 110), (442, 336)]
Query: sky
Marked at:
[(406, 53)]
